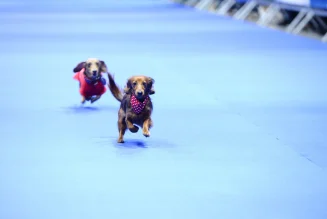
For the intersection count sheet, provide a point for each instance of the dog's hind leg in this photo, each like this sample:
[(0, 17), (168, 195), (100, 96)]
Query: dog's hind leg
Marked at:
[(93, 99)]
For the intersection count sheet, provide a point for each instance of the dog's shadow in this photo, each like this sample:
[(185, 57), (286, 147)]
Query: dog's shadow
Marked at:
[(128, 144), (131, 143), (129, 147), (135, 143), (88, 109)]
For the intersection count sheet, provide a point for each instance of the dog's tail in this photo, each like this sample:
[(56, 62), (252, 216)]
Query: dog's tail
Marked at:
[(114, 89)]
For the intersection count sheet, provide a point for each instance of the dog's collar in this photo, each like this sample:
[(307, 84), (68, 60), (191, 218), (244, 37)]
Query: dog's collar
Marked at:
[(92, 82), (137, 105)]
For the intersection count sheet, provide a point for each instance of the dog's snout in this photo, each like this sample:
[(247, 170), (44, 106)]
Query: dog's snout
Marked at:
[(94, 73), (139, 93)]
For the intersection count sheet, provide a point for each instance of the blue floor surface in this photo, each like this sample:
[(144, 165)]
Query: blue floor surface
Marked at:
[(240, 116)]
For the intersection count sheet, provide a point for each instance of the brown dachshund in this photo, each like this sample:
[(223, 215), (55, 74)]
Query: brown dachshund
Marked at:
[(135, 104), (92, 84)]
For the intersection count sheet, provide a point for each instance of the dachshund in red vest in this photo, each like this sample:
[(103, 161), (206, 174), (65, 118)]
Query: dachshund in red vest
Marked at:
[(135, 105), (91, 82)]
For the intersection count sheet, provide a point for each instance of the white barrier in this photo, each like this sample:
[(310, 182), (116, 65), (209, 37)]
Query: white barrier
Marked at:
[(272, 10)]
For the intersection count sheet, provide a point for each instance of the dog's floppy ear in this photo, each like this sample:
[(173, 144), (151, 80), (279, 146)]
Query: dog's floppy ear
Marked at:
[(79, 67), (103, 67), (150, 82), (128, 87)]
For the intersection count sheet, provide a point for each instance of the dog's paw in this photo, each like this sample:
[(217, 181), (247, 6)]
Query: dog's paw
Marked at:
[(93, 99), (134, 129), (146, 133), (120, 140)]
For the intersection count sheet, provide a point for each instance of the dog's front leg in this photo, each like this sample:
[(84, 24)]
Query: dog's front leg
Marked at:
[(83, 100), (122, 128), (93, 99), (131, 126), (146, 126)]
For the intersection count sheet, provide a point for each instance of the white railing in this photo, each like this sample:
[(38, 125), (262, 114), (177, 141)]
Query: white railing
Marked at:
[(306, 11)]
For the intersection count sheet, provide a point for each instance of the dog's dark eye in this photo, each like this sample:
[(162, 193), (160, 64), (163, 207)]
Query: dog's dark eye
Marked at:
[(89, 65), (134, 83), (144, 84), (98, 64)]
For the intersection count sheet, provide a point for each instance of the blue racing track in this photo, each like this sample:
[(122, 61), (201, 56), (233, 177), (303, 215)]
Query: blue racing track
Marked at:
[(240, 115)]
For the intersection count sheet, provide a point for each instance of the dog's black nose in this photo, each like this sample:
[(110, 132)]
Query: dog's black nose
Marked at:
[(139, 93), (94, 73)]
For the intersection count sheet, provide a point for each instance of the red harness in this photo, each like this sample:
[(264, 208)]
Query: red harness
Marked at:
[(88, 89), (137, 105)]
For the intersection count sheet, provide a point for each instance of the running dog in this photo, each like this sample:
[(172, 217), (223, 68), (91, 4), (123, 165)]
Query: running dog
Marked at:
[(91, 82), (135, 104)]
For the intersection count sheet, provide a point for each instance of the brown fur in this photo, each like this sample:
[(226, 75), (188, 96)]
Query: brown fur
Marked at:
[(93, 67), (141, 87)]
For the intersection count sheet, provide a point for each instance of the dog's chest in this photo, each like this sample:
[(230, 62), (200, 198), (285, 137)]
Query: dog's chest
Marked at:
[(138, 106), (93, 87)]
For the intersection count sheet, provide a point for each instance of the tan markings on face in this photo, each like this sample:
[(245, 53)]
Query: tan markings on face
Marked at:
[(139, 85), (92, 67)]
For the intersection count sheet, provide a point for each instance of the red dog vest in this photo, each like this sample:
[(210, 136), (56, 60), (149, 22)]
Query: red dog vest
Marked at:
[(89, 89)]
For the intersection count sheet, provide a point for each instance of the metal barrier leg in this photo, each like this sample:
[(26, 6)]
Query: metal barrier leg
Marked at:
[(296, 21), (271, 12), (276, 11), (321, 22), (304, 22), (245, 10), (225, 6), (324, 38), (180, 1), (191, 2), (204, 4)]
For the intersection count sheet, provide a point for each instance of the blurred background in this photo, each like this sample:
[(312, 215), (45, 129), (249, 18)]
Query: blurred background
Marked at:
[(240, 110), (305, 17)]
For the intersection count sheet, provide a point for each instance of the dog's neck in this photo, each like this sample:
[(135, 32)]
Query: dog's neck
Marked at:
[(91, 80), (88, 79), (138, 105)]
